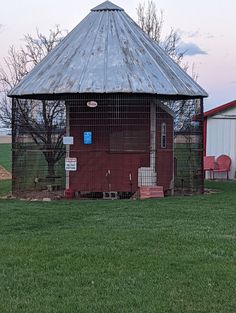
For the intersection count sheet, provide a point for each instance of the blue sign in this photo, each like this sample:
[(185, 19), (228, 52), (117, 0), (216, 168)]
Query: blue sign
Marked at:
[(87, 138)]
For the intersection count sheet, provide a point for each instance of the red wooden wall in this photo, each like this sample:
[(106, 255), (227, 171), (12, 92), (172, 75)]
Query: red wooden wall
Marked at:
[(120, 145)]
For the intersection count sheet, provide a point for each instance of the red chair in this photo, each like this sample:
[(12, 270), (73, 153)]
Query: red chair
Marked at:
[(209, 164), (223, 163)]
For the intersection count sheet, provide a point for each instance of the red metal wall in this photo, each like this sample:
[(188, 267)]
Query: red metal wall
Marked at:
[(120, 145)]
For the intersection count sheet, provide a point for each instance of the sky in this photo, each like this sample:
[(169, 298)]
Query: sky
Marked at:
[(207, 29)]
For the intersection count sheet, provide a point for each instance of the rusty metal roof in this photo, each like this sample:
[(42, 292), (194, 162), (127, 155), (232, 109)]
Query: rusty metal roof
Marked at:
[(108, 53)]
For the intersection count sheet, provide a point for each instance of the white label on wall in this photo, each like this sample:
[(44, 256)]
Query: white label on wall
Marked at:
[(71, 164), (68, 140)]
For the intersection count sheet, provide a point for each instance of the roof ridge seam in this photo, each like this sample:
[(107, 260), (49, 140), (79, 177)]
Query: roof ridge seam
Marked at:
[(106, 54), (86, 65)]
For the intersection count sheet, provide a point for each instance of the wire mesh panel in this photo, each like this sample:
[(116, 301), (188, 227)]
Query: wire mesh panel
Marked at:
[(121, 142), (119, 130), (188, 147), (38, 152)]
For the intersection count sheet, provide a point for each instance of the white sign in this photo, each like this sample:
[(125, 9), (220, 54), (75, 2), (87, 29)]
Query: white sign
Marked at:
[(92, 104), (67, 140), (71, 164)]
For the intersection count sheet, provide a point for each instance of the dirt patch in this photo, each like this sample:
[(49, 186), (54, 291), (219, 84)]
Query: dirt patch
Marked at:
[(5, 139), (208, 191), (39, 195), (4, 174)]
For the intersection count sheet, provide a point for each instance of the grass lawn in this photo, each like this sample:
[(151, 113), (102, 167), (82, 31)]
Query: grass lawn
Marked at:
[(169, 255), (5, 155), (5, 161), (5, 188)]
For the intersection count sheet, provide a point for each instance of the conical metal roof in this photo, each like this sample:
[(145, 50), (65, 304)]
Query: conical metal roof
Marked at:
[(108, 53)]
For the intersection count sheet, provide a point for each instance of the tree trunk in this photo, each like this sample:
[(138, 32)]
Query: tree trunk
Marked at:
[(51, 171)]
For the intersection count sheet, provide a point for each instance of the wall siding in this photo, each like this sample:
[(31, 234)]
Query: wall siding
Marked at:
[(221, 133)]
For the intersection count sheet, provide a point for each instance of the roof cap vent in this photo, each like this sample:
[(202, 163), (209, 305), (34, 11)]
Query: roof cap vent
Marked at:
[(107, 6)]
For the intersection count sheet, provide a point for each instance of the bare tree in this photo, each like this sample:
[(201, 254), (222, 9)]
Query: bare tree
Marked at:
[(151, 21), (42, 121), (20, 62), (43, 124)]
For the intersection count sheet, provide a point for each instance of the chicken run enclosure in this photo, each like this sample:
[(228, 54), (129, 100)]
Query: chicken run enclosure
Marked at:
[(107, 114), (111, 142)]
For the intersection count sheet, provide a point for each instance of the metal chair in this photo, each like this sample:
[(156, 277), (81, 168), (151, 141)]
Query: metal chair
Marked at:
[(209, 164), (223, 163)]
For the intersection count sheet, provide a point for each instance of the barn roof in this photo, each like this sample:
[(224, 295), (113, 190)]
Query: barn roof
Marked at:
[(220, 109), (108, 53)]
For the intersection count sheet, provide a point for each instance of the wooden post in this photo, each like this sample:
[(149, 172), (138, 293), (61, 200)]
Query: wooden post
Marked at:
[(13, 144), (67, 146), (202, 142), (153, 121), (173, 158)]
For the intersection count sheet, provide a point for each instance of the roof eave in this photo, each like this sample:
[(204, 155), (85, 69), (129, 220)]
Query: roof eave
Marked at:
[(60, 95), (220, 108)]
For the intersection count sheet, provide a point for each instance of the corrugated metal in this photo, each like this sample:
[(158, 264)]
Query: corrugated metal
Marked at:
[(108, 53)]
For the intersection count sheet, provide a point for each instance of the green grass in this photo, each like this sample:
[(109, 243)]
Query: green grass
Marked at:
[(5, 187), (188, 162), (171, 255), (5, 161), (5, 156)]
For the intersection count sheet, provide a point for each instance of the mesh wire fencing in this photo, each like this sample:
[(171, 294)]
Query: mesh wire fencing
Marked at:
[(121, 143)]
